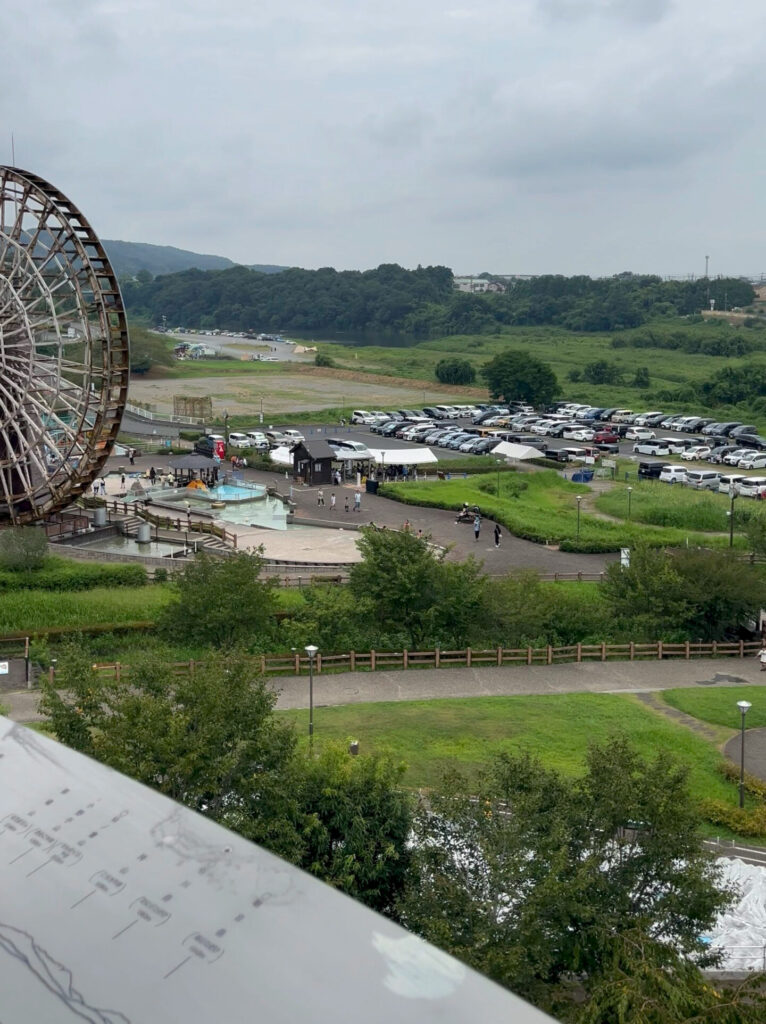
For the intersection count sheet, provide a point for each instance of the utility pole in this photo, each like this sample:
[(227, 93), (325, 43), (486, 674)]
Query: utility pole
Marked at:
[(707, 279)]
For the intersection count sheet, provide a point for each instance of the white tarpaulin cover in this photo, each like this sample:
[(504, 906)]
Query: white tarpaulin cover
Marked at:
[(741, 931), (402, 456), (516, 451), (282, 456)]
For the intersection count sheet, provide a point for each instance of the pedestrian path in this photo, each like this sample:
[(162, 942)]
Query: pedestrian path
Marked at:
[(639, 677), (703, 729)]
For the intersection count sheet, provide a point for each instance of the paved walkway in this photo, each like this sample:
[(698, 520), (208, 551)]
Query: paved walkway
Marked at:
[(520, 680), (755, 751)]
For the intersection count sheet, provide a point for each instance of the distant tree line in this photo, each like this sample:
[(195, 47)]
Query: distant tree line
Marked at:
[(420, 302)]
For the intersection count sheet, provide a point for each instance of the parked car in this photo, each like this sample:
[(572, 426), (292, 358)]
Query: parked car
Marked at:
[(717, 454), (726, 428), (642, 417), (696, 452), (732, 459), (258, 440), (752, 487), (650, 470), (212, 445), (673, 474), (755, 461), (676, 445), (702, 479), (275, 438), (728, 484), (639, 434), (751, 440), (237, 440), (362, 416), (605, 437), (347, 448), (747, 428), (293, 436), (621, 415), (579, 433), (651, 448)]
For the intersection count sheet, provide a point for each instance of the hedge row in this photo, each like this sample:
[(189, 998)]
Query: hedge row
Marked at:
[(57, 574), (744, 821)]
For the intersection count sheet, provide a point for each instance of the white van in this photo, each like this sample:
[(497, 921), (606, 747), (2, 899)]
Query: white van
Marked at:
[(239, 441), (573, 454), (728, 484), (752, 487), (362, 416), (257, 439), (702, 479), (673, 475)]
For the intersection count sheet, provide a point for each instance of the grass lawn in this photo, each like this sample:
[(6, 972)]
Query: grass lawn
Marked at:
[(659, 504), (719, 707), (542, 506), (431, 735), (31, 610)]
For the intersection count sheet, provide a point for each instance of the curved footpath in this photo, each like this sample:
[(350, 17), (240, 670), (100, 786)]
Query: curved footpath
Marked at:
[(520, 680)]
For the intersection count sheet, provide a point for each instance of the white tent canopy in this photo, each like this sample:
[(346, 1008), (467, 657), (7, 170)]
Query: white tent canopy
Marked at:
[(516, 451), (402, 456)]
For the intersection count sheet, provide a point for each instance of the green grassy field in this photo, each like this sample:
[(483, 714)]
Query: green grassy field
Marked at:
[(659, 504), (542, 506), (429, 736), (719, 707), (31, 610)]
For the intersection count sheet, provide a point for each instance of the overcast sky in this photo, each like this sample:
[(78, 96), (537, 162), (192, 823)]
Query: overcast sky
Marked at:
[(517, 136)]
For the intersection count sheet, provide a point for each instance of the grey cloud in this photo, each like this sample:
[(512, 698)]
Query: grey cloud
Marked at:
[(636, 11)]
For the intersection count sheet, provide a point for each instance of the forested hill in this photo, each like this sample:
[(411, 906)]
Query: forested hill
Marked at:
[(131, 258), (420, 301)]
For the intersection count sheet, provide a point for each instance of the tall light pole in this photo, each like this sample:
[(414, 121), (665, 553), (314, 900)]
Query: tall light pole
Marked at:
[(226, 426), (499, 464), (579, 500), (730, 514), (630, 494), (311, 651), (744, 706)]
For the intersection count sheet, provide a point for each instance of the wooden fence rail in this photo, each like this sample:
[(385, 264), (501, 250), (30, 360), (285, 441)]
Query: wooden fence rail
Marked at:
[(373, 661)]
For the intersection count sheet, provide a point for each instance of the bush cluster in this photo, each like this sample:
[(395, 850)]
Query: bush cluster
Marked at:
[(746, 821)]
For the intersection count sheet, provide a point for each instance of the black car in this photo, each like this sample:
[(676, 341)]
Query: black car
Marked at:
[(750, 441), (650, 470), (607, 448)]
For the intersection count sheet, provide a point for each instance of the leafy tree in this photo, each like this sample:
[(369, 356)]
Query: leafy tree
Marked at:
[(23, 548), (323, 359), (210, 740), (222, 601), (411, 589), (455, 371), (355, 824), (641, 378), (539, 880), (147, 350), (755, 530), (515, 375), (682, 594), (601, 371)]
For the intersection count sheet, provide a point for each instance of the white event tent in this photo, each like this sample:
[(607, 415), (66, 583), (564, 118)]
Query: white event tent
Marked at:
[(516, 451), (402, 456)]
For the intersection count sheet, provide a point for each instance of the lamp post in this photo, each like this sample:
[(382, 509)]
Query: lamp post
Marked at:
[(630, 495), (579, 501), (311, 651), (499, 464), (744, 706), (226, 426), (730, 514), (261, 413)]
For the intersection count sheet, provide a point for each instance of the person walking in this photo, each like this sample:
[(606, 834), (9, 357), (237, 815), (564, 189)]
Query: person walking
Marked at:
[(762, 658), (132, 456), (152, 475), (357, 500), (332, 502), (320, 497), (498, 535), (345, 507), (476, 526)]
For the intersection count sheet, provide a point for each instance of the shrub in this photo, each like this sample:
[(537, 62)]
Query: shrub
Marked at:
[(23, 548), (160, 575), (455, 371), (744, 821), (323, 359), (190, 435)]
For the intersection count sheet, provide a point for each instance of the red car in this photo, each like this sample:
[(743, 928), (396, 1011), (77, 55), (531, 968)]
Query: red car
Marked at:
[(605, 437)]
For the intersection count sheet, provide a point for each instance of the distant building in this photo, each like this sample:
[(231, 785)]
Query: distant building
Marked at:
[(477, 284)]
